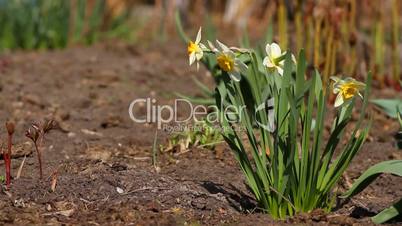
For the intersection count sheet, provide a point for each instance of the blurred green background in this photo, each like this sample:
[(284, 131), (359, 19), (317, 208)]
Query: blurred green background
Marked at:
[(340, 36)]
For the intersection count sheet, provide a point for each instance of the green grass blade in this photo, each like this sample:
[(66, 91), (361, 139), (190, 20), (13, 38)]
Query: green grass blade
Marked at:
[(389, 213), (391, 167)]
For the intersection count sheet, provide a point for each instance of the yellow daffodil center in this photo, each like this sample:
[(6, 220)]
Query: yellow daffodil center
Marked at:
[(225, 62), (192, 48), (349, 90)]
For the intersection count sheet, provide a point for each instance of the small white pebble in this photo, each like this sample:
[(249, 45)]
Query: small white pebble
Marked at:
[(70, 134), (119, 190)]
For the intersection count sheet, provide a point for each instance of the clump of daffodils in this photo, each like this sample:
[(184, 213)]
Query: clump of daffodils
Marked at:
[(229, 62), (286, 172), (346, 89), (228, 58)]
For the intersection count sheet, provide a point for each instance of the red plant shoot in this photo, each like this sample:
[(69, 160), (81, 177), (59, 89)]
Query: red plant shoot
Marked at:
[(37, 134)]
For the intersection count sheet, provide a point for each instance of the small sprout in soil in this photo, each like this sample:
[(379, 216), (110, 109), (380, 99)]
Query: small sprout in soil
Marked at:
[(37, 134), (155, 153), (200, 134), (7, 154), (54, 180), (21, 167)]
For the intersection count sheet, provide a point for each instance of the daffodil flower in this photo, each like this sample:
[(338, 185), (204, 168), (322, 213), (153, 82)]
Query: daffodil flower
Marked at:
[(195, 50), (228, 61), (346, 89), (275, 60)]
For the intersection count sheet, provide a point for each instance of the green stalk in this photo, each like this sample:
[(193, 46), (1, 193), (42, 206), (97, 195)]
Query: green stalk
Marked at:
[(299, 27), (328, 55), (379, 48), (282, 25), (395, 42), (317, 42), (309, 38)]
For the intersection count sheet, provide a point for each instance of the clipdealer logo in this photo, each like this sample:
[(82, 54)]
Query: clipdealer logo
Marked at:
[(165, 114)]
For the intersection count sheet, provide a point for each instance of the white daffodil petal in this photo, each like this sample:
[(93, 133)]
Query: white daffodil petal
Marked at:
[(348, 79), (339, 100), (265, 61), (268, 63), (242, 66), (223, 47), (198, 39), (360, 85), (268, 49), (231, 54), (198, 55), (192, 58), (275, 50), (212, 47), (242, 50), (335, 90), (235, 76), (294, 59), (202, 46), (335, 79), (280, 70)]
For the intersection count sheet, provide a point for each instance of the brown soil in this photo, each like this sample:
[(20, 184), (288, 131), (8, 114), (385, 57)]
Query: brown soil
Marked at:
[(103, 159)]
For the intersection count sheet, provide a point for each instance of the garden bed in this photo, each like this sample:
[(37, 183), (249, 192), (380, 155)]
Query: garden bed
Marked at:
[(103, 159)]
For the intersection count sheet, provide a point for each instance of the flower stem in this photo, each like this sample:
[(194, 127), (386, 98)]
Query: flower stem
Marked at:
[(7, 165), (317, 33), (282, 25), (38, 151), (395, 43), (329, 53)]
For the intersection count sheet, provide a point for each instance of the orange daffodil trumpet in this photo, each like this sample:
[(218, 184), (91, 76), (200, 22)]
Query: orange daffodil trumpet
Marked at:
[(346, 89), (228, 62), (275, 60), (195, 50)]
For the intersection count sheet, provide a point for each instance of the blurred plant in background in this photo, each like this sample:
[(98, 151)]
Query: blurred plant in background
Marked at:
[(36, 24), (340, 36)]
